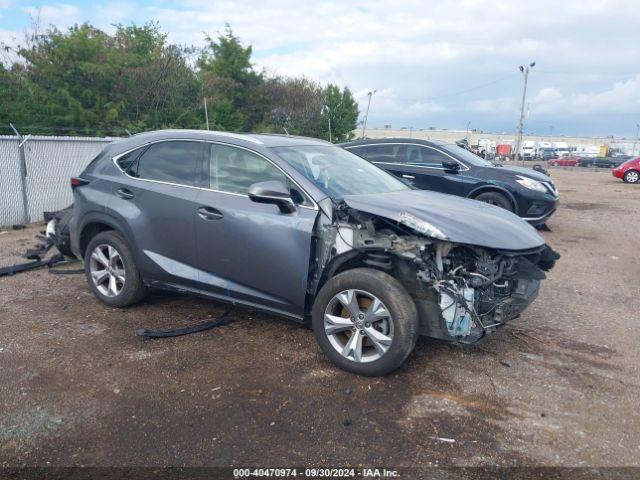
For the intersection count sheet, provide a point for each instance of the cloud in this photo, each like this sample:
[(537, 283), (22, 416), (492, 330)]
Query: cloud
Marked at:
[(433, 63), (59, 15)]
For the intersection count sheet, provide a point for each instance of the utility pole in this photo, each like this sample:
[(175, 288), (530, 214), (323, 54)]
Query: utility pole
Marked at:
[(366, 115), (525, 71), (206, 113), (466, 136), (327, 110)]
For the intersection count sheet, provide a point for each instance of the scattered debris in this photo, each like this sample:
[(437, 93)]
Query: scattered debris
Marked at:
[(198, 327), (444, 439)]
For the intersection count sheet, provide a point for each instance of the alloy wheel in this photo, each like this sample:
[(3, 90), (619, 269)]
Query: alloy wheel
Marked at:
[(632, 176), (107, 270), (358, 326)]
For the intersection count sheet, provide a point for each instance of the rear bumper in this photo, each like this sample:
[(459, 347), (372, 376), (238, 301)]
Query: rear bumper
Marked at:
[(617, 173)]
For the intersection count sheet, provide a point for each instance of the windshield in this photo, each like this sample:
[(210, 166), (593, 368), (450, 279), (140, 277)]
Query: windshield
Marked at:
[(466, 156), (337, 172)]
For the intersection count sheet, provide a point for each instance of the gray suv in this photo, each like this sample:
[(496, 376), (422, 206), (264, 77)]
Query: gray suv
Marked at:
[(303, 229)]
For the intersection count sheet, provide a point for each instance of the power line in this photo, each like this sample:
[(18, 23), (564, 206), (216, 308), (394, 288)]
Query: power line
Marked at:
[(461, 92)]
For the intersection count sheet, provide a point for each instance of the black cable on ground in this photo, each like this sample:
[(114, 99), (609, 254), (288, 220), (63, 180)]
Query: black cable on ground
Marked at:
[(198, 327)]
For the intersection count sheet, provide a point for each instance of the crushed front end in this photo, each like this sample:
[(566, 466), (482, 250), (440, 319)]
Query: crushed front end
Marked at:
[(462, 292)]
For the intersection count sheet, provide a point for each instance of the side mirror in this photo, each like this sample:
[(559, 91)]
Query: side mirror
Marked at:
[(274, 192), (451, 165)]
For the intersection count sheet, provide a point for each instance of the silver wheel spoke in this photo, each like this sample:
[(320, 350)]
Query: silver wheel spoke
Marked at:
[(349, 300), (119, 274), (113, 285), (334, 324), (98, 254), (381, 342), (99, 276), (353, 348), (377, 311)]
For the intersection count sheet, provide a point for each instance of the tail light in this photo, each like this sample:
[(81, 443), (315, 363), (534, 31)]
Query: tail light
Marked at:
[(78, 182)]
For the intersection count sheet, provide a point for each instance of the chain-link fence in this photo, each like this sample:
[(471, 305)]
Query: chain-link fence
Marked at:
[(49, 163)]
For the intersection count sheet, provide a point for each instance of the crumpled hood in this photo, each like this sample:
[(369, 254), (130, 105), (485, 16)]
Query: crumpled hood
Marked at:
[(458, 219)]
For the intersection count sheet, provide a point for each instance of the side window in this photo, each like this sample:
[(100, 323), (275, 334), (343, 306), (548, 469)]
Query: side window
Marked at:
[(127, 162), (172, 162), (382, 152), (425, 156), (234, 170)]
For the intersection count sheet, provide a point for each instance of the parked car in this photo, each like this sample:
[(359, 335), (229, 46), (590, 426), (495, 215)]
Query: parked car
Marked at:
[(304, 229), (445, 168), (564, 162), (601, 162), (628, 171)]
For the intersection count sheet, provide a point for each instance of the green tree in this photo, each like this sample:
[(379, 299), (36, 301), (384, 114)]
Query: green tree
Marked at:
[(342, 110), (237, 91)]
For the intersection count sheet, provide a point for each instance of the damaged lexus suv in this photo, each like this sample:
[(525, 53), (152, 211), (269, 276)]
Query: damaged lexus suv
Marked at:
[(304, 229)]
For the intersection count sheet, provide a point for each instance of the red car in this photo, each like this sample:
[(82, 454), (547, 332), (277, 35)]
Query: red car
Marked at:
[(628, 171), (564, 162)]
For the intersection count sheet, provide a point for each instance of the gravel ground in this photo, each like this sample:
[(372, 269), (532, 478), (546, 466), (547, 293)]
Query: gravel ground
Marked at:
[(557, 387)]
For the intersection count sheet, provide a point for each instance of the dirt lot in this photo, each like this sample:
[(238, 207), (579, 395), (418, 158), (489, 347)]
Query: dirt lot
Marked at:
[(558, 386)]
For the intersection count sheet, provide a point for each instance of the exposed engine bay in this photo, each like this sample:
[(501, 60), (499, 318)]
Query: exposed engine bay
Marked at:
[(462, 292)]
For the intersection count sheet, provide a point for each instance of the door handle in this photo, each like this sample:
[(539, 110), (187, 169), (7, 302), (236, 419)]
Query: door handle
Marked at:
[(209, 213), (124, 193), (410, 177)]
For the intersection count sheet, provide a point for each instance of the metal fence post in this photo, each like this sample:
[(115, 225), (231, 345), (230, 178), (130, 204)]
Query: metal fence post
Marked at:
[(23, 175)]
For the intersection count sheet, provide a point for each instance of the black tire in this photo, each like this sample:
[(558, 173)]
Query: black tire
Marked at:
[(133, 289), (495, 198), (631, 176), (399, 304)]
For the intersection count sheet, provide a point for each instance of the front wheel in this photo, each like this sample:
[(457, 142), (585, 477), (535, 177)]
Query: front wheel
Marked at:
[(632, 176), (495, 198), (365, 322)]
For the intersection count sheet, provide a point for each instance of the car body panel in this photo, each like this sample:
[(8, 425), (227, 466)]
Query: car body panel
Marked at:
[(254, 252), (461, 220)]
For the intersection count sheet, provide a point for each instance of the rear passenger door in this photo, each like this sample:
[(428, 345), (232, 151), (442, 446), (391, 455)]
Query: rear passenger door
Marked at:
[(250, 251), (156, 197)]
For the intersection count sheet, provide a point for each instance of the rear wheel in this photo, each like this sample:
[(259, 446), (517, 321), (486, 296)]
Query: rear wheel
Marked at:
[(632, 176), (495, 198), (111, 271), (365, 322)]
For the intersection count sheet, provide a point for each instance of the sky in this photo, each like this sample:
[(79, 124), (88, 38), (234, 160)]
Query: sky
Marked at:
[(442, 64)]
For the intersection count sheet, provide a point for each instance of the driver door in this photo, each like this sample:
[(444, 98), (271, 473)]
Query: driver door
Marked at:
[(247, 251)]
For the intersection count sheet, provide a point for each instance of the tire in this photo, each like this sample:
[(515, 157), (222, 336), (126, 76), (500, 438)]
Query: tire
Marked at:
[(396, 332), (631, 176), (495, 198), (128, 287)]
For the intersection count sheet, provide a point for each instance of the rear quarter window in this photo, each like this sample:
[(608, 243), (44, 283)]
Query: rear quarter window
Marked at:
[(171, 162)]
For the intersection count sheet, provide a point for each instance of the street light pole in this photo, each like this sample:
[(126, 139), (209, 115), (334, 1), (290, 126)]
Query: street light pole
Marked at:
[(466, 136), (633, 152), (525, 71), (366, 115)]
